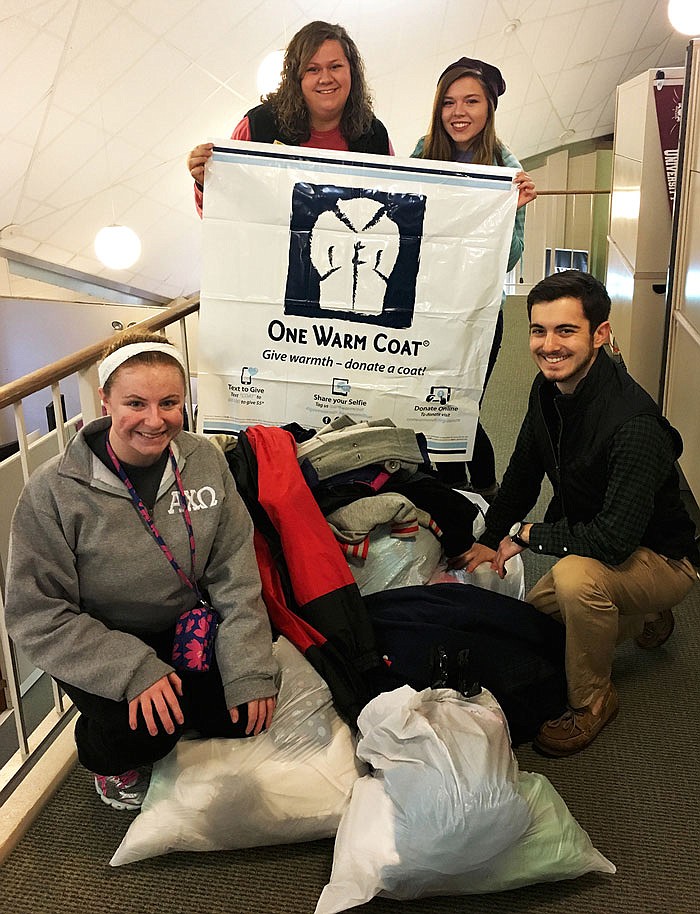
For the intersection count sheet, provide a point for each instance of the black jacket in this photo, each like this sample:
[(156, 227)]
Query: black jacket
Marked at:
[(265, 129), (604, 505)]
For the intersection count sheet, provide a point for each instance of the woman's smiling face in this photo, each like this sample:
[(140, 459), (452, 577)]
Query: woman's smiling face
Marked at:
[(146, 405), (465, 110), (326, 84)]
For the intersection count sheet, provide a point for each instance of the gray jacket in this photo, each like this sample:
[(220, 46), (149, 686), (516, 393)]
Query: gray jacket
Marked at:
[(347, 445), (85, 575)]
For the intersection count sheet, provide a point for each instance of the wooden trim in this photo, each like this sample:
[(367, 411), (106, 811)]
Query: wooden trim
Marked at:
[(566, 193), (26, 803)]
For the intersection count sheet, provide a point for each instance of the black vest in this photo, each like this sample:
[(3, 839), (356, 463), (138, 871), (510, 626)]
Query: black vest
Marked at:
[(574, 434), (265, 129)]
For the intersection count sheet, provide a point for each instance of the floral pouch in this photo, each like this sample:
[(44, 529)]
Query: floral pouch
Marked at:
[(193, 645)]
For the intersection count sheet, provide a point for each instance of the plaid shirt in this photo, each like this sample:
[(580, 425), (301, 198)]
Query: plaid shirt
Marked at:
[(640, 461)]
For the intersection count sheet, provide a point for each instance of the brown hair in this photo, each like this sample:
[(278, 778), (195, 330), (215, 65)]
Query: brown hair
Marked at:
[(438, 144), (287, 101), (141, 358), (590, 291)]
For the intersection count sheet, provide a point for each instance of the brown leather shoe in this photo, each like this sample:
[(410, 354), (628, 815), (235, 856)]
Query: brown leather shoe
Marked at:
[(657, 631), (576, 728)]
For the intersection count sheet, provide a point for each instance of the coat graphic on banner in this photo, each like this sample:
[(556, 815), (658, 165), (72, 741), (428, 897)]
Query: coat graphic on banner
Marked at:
[(339, 283), (353, 254)]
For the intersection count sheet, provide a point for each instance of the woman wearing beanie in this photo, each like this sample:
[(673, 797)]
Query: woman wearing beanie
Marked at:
[(462, 129)]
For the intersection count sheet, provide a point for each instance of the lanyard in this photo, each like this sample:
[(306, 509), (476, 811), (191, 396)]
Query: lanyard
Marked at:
[(148, 520)]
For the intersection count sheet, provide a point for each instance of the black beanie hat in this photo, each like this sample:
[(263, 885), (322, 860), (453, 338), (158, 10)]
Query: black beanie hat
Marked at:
[(491, 75)]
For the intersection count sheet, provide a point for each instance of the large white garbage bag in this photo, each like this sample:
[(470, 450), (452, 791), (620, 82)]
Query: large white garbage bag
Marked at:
[(445, 773), (446, 812)]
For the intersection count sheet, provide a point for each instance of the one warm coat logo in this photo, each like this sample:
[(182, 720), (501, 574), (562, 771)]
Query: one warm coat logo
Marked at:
[(196, 499), (354, 254)]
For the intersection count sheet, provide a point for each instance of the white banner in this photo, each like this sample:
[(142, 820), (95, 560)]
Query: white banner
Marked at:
[(338, 283)]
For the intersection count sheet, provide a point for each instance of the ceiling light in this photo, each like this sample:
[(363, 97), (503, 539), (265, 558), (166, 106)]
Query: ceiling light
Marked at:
[(270, 72), (567, 135), (9, 230), (512, 26), (117, 246), (684, 16)]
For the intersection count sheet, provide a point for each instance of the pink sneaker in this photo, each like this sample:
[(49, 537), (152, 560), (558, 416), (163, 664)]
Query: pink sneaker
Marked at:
[(123, 791)]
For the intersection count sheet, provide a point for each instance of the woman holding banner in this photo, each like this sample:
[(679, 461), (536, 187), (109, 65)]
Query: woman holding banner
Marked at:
[(322, 102), (462, 129)]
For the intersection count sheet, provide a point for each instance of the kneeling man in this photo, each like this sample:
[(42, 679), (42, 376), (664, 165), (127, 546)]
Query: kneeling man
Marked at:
[(624, 540)]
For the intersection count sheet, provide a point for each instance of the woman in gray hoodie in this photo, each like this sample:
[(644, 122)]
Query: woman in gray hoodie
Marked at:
[(136, 523)]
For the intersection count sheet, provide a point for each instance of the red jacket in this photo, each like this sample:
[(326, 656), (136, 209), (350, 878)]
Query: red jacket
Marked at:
[(310, 593)]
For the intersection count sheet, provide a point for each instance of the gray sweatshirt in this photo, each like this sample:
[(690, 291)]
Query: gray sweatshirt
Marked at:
[(85, 575)]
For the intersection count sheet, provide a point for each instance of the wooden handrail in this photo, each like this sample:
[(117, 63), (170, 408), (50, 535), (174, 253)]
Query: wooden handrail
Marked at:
[(564, 193), (56, 371)]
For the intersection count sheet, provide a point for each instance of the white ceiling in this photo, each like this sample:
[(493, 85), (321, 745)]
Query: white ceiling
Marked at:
[(100, 100)]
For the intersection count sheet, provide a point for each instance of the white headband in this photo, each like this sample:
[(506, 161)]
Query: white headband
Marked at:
[(110, 364)]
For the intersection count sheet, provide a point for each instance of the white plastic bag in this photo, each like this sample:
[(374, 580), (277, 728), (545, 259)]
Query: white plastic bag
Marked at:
[(513, 584), (392, 562), (367, 861), (443, 799), (289, 784)]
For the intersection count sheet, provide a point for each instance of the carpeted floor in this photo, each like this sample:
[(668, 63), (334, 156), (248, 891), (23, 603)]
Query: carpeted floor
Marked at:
[(635, 790)]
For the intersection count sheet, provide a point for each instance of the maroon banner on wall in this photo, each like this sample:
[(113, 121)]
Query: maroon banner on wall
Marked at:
[(668, 96)]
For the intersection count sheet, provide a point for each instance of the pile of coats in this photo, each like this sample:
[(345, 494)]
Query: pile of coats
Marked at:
[(327, 507)]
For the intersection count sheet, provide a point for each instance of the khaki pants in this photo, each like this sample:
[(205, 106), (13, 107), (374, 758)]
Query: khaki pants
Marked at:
[(602, 605)]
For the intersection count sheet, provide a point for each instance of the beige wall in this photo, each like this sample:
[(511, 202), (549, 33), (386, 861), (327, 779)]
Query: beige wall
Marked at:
[(639, 236), (683, 368), (34, 333), (573, 221)]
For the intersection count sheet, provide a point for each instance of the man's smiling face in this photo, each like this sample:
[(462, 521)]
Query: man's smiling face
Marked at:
[(561, 341)]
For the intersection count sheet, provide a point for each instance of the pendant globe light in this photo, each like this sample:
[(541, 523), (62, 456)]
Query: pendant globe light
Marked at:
[(684, 16), (270, 72), (117, 246)]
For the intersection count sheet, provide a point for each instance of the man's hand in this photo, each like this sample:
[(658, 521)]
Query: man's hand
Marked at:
[(472, 558), (507, 549), (162, 698), (260, 711)]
